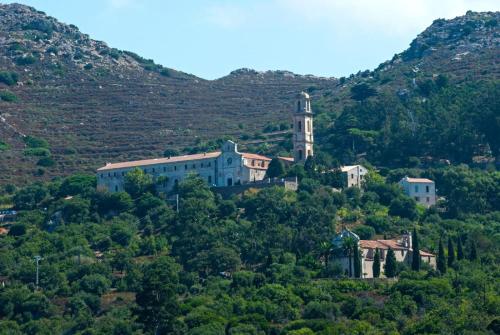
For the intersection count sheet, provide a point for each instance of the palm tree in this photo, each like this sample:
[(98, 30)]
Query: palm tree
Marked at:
[(348, 245), (325, 250)]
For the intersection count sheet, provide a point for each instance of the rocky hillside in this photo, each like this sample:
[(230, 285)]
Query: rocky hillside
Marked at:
[(69, 103), (94, 104)]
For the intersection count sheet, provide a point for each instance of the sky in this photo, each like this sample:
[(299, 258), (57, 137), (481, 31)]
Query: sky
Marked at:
[(211, 38)]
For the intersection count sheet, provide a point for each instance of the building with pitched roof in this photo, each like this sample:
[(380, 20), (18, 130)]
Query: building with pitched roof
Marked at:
[(402, 248), (423, 190)]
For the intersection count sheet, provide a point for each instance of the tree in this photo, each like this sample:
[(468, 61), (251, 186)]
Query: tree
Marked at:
[(362, 92), (472, 251), (451, 252), (460, 249), (348, 245), (404, 207), (441, 259), (156, 298), (357, 262), (390, 266), (415, 260), (376, 264), (137, 182), (275, 168), (310, 166)]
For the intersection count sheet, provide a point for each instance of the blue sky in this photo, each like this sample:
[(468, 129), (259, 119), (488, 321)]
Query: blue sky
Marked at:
[(212, 38)]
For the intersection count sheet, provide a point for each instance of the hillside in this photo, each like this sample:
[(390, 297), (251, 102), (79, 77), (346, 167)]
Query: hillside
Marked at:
[(94, 104)]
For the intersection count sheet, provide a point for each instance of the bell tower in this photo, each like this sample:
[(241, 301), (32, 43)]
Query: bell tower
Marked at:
[(302, 128)]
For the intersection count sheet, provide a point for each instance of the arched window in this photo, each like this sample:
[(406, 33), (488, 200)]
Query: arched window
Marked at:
[(300, 155)]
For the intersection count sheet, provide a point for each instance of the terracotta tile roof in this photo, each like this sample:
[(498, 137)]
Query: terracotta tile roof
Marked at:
[(386, 244), (255, 156), (3, 231), (418, 180), (288, 159), (164, 160), (425, 253)]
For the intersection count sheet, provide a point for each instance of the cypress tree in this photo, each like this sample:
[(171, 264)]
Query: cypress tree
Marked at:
[(441, 260), (357, 262), (460, 249), (376, 264), (473, 251), (451, 253), (415, 261), (275, 169), (390, 264)]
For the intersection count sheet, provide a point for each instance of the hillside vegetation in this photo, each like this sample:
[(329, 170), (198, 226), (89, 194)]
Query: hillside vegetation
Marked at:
[(130, 263)]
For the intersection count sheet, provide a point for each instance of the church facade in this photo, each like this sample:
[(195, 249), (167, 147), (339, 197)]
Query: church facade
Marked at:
[(226, 167)]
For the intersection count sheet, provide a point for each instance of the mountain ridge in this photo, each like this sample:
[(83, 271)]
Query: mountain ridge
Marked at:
[(95, 104)]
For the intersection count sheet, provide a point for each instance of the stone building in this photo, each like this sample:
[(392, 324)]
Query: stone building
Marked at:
[(354, 175), (226, 167), (402, 248), (423, 190)]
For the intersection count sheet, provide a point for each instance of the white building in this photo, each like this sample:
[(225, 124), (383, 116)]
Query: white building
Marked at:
[(423, 190), (402, 247), (226, 167), (220, 168), (354, 174)]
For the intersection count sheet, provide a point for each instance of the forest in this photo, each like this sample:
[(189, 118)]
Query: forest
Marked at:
[(260, 263)]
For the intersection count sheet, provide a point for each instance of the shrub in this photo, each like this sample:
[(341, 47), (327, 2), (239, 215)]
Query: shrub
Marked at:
[(364, 232), (39, 152), (88, 66), (4, 146), (8, 78), (46, 162), (8, 96), (35, 142), (25, 60)]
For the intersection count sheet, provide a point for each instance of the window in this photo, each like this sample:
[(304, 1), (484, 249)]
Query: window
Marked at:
[(308, 153), (308, 126), (164, 169), (123, 173), (416, 188), (229, 181), (298, 106), (352, 175), (194, 166), (229, 161), (417, 199), (427, 188), (175, 167), (102, 175), (253, 162), (153, 170), (299, 126), (402, 253), (185, 167), (209, 164), (201, 164), (428, 199), (300, 155), (109, 174), (210, 179), (116, 188)]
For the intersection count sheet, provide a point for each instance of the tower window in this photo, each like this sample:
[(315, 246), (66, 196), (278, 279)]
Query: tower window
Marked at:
[(299, 126), (308, 126), (300, 155), (298, 106), (308, 153)]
